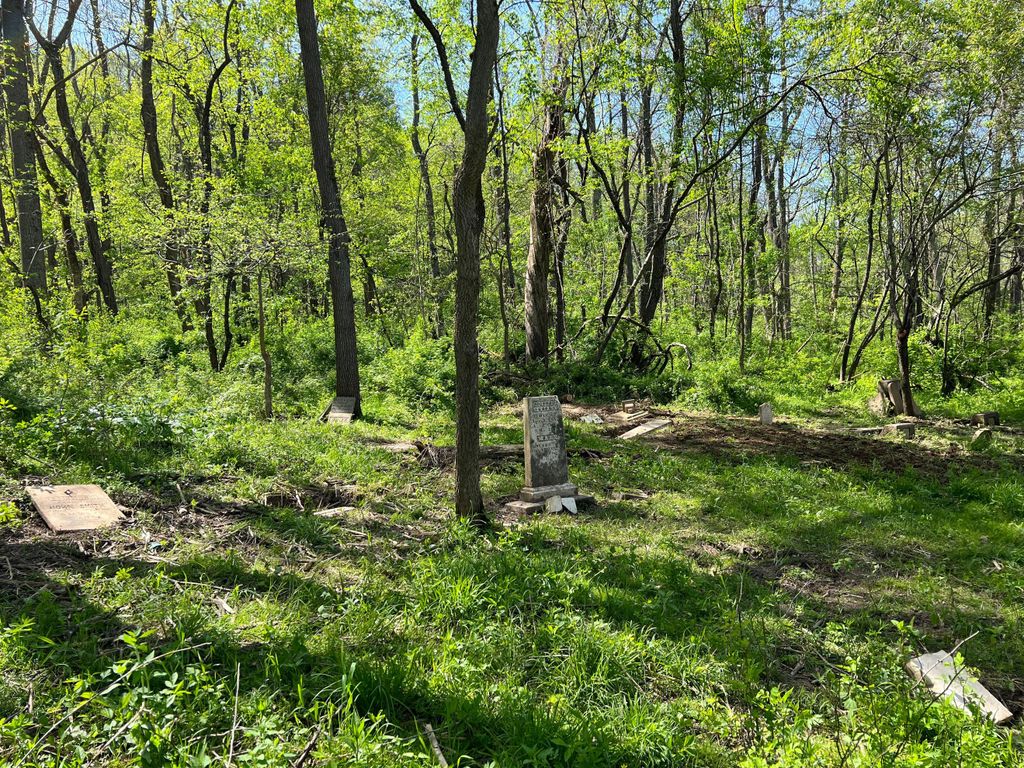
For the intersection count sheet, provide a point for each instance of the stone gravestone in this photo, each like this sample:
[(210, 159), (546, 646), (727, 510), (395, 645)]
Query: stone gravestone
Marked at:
[(764, 413), (985, 419), (74, 507), (940, 674), (340, 411), (547, 466)]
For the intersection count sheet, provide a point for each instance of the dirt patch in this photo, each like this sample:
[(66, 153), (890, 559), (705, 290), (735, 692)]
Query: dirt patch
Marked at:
[(736, 440)]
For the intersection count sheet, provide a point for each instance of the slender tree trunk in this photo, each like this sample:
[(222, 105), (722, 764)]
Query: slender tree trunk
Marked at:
[(428, 196), (542, 223), (268, 389), (98, 246), (16, 61), (346, 362), (172, 251)]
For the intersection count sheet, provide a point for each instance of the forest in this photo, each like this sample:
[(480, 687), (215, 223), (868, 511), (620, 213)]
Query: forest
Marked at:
[(785, 237)]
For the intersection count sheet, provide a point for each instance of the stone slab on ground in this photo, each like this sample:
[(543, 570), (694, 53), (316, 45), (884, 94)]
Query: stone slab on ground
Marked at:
[(982, 439), (74, 507), (904, 429), (938, 671), (645, 429), (340, 411), (534, 507)]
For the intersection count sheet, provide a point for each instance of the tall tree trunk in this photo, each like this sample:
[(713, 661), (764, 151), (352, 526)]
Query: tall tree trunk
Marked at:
[(468, 205), (468, 213), (542, 222), (98, 246), (346, 361), (428, 196), (172, 251), (15, 58)]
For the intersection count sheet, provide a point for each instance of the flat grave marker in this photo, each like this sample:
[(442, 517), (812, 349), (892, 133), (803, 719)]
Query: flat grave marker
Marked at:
[(74, 507), (645, 429), (939, 673), (340, 411)]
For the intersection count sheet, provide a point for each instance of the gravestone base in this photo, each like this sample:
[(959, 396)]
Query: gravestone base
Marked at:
[(534, 507), (542, 492)]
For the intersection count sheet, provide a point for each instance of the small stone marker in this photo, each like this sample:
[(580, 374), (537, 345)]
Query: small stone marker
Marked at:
[(982, 439), (645, 429), (74, 507), (764, 413), (547, 467), (985, 419), (939, 673), (904, 429), (592, 418), (628, 406), (340, 411)]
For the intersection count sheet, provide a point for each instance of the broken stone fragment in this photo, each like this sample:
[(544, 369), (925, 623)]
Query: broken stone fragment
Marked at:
[(982, 439), (940, 674), (553, 504)]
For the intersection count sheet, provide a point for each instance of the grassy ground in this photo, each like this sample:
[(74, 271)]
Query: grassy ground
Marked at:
[(741, 595)]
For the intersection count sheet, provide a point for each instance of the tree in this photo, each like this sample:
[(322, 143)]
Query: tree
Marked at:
[(15, 58), (469, 211), (346, 360)]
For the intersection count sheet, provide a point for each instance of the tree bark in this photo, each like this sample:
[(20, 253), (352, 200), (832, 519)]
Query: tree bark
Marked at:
[(537, 308), (98, 246), (22, 142), (172, 251), (346, 361), (468, 210)]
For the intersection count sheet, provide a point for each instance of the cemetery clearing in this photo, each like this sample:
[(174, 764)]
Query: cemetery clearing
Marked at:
[(739, 592)]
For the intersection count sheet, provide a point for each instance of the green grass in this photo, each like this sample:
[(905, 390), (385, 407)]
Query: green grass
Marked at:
[(755, 608)]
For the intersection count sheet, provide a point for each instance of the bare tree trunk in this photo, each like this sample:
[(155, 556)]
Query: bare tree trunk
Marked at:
[(98, 246), (268, 391), (542, 223), (15, 59), (428, 195), (346, 361), (468, 210), (172, 251)]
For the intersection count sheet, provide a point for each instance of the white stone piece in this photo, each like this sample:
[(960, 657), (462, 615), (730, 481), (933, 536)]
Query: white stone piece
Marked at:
[(645, 429), (764, 413), (982, 439), (592, 418), (569, 505), (939, 673), (553, 504)]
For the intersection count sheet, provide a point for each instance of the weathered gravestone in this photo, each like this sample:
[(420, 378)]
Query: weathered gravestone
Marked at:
[(340, 411), (764, 413), (941, 675), (985, 419), (547, 467), (74, 507)]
